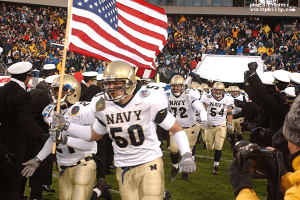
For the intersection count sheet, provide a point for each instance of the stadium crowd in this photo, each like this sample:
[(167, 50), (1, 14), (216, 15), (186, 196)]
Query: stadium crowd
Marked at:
[(36, 34)]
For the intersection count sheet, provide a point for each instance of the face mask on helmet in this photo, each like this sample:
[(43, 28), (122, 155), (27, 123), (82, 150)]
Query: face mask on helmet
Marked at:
[(218, 90), (116, 90), (218, 93), (67, 90), (178, 85), (119, 81), (70, 92), (177, 90)]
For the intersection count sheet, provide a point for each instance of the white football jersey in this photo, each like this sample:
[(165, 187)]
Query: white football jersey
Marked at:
[(79, 113), (235, 109), (131, 126), (181, 107), (217, 109)]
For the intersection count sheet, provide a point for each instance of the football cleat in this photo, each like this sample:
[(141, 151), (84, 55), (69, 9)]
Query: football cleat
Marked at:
[(215, 170), (167, 195), (185, 176), (102, 186), (173, 173)]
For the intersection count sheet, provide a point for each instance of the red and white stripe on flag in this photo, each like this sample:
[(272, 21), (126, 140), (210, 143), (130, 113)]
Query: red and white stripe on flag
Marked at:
[(134, 31)]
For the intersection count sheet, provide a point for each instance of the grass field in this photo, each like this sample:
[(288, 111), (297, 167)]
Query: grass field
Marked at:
[(202, 185)]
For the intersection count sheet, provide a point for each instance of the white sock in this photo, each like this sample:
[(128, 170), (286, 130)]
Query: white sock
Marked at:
[(193, 157), (98, 192), (216, 163), (175, 165)]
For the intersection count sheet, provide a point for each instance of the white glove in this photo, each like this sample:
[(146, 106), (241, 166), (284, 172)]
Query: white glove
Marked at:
[(58, 121), (31, 166), (205, 124), (57, 136), (229, 127), (187, 164)]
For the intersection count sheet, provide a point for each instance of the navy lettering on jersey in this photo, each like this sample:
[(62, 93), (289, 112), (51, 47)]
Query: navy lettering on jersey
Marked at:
[(122, 117), (176, 102)]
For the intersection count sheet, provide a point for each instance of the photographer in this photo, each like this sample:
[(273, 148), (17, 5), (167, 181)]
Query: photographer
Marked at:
[(241, 176)]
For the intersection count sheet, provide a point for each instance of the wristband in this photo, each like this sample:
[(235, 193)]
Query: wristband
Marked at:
[(36, 159)]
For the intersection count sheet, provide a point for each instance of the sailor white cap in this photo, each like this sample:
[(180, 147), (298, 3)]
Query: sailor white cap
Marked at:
[(267, 78), (295, 78), (49, 67), (51, 78), (20, 68), (99, 77), (282, 75), (290, 92), (90, 74)]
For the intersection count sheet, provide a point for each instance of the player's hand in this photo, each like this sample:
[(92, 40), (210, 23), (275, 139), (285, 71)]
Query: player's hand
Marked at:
[(30, 168), (229, 127), (240, 178), (187, 164), (58, 121), (252, 66), (57, 136), (205, 124)]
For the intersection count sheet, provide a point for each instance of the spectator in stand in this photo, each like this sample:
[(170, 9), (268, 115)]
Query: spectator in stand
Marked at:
[(240, 49)]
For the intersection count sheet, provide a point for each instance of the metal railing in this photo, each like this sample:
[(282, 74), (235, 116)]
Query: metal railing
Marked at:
[(3, 69)]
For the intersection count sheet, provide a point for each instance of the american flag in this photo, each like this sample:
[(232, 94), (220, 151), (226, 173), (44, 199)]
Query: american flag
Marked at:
[(134, 31)]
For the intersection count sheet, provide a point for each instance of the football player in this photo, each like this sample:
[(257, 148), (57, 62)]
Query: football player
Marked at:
[(183, 104), (198, 87), (129, 113), (74, 156), (218, 106), (236, 123), (205, 88)]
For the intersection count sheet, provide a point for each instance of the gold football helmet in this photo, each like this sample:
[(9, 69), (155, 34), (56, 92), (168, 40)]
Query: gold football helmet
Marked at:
[(197, 86), (71, 89), (118, 72), (235, 91), (218, 90), (205, 87), (176, 81), (242, 91)]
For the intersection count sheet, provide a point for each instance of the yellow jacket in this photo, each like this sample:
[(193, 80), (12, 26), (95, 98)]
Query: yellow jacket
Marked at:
[(289, 185), (261, 50)]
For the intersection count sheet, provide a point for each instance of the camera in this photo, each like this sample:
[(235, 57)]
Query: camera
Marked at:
[(244, 150)]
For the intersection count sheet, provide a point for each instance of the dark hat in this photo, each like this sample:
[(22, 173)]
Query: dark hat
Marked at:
[(291, 126)]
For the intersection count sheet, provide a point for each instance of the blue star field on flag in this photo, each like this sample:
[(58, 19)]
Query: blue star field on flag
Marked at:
[(106, 9)]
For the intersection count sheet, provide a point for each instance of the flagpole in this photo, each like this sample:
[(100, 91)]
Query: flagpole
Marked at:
[(63, 64)]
